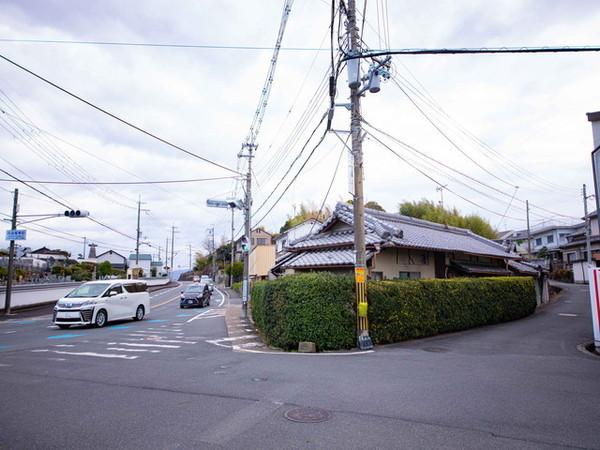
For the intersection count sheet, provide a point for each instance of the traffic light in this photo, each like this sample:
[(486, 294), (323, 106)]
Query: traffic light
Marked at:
[(245, 245), (76, 213)]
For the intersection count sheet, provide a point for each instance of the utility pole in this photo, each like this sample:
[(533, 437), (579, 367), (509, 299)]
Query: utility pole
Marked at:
[(167, 254), (11, 255), (588, 239), (360, 266), (214, 258), (137, 235), (247, 228), (190, 250), (440, 189), (84, 247), (528, 232), (172, 247), (232, 248)]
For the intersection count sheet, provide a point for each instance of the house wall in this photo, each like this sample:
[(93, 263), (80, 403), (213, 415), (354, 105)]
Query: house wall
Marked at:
[(391, 261), (262, 259), (112, 258), (144, 264)]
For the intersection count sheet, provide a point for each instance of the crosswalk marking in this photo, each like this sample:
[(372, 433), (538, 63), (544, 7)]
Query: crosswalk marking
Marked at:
[(97, 355), (120, 349), (131, 344)]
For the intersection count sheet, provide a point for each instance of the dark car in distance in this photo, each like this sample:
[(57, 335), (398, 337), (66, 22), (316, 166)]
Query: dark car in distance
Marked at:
[(196, 294)]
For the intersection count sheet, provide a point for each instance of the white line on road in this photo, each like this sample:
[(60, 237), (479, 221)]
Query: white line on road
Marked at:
[(234, 338), (64, 345), (120, 349), (9, 332), (56, 359), (4, 365), (165, 302), (568, 315), (40, 350), (160, 330), (222, 297), (199, 315), (97, 355), (161, 339), (148, 345)]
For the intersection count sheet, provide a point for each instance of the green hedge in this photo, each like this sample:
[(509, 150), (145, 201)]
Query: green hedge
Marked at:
[(320, 307), (401, 310), (315, 307)]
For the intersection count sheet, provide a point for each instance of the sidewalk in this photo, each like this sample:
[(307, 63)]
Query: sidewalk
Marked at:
[(242, 334)]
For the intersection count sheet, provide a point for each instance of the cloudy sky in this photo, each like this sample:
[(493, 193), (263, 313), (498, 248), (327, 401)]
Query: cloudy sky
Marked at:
[(514, 126)]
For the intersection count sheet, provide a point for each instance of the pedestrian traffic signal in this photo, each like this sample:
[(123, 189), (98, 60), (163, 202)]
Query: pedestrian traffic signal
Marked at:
[(245, 245)]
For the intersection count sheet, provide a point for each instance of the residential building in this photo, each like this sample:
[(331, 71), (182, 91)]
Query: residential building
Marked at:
[(262, 253), (574, 251), (399, 247), (50, 257), (549, 238), (144, 262), (296, 232), (259, 237), (157, 269), (116, 260)]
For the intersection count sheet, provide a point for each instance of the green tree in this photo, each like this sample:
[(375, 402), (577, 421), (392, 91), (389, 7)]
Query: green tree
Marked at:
[(237, 269), (306, 212), (3, 272), (202, 262), (104, 269), (428, 210), (374, 205)]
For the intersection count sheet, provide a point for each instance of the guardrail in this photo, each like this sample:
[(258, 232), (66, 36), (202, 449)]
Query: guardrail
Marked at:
[(40, 286)]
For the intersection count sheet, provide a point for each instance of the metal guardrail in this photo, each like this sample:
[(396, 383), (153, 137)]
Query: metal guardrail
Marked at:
[(41, 286)]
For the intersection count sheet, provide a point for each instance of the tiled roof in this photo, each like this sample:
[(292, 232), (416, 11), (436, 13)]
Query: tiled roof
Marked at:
[(522, 267), (340, 257), (481, 269), (404, 231)]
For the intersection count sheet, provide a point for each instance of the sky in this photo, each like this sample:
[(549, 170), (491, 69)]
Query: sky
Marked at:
[(506, 128)]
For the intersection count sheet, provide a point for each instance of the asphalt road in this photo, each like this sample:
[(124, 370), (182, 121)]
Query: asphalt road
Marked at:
[(517, 385)]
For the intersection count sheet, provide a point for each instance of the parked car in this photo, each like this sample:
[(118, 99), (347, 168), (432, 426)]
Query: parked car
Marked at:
[(99, 302), (195, 278), (205, 279), (197, 294)]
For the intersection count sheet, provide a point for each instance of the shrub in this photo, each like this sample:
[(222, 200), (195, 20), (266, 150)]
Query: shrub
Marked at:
[(237, 287), (562, 275), (314, 307), (400, 310)]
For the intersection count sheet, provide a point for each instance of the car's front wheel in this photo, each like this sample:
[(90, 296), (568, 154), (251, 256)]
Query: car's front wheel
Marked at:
[(101, 318), (139, 313)]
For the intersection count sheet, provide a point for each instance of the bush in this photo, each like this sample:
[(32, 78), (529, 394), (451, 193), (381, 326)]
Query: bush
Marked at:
[(314, 307), (237, 287), (320, 307), (562, 275), (400, 310)]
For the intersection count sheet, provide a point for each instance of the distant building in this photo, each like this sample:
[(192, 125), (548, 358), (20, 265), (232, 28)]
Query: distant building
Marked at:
[(296, 232), (144, 262), (50, 257), (116, 260)]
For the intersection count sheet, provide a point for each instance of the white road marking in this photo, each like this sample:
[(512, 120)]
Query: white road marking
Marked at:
[(4, 365), (40, 350), (176, 324), (222, 297), (120, 349), (237, 338), (149, 345), (159, 330), (568, 315), (9, 332), (160, 339), (56, 359), (199, 315), (64, 345), (166, 301), (97, 355)]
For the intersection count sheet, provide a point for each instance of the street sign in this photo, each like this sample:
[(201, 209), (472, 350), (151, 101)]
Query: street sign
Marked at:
[(16, 235), (595, 304), (217, 203)]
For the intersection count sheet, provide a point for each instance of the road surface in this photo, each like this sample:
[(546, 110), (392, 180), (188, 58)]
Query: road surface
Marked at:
[(164, 383)]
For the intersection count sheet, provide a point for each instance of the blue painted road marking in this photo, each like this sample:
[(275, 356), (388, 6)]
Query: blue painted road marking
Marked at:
[(156, 321), (65, 336), (184, 315), (120, 327), (24, 322), (4, 347)]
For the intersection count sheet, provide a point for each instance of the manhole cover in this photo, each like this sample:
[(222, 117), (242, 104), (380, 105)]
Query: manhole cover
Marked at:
[(435, 349), (259, 379), (307, 415)]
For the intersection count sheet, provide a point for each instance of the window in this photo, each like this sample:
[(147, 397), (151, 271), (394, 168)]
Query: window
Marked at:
[(377, 276), (418, 258), (261, 241), (550, 239), (571, 257), (538, 241), (409, 275)]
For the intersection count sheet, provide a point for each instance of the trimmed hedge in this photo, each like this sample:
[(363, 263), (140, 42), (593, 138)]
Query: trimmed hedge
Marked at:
[(320, 307), (315, 307), (401, 310)]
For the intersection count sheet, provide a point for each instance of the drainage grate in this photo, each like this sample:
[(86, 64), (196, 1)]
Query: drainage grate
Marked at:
[(435, 349), (307, 415)]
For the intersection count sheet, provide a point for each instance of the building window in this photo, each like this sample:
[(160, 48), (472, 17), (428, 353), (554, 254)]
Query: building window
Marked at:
[(261, 241), (538, 242), (418, 258), (377, 276), (409, 275), (550, 239), (571, 257)]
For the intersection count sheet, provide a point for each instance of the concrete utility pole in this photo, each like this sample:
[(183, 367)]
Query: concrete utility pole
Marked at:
[(247, 228), (172, 247), (137, 235), (360, 266), (11, 255), (440, 189), (214, 254), (232, 248), (588, 239), (167, 254), (84, 247), (528, 232)]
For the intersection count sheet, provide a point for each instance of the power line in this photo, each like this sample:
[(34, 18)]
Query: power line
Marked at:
[(474, 50), (190, 180), (104, 111), (37, 190)]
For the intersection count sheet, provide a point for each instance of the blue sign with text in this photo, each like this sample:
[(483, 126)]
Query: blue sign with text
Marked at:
[(16, 235)]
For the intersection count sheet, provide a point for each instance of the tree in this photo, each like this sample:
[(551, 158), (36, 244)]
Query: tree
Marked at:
[(202, 262), (237, 269), (104, 269), (308, 211), (428, 210), (374, 205)]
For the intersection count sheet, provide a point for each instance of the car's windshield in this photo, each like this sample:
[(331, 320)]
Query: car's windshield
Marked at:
[(88, 290), (195, 288)]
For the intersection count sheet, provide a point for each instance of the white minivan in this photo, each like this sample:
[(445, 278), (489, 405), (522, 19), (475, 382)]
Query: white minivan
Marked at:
[(98, 302)]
